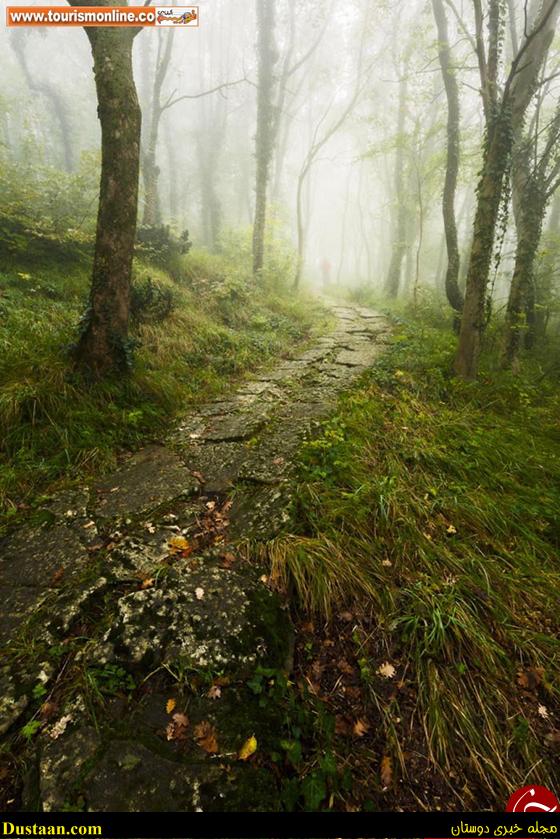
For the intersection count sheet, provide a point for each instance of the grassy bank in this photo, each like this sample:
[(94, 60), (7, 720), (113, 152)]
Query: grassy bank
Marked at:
[(425, 561), (199, 324)]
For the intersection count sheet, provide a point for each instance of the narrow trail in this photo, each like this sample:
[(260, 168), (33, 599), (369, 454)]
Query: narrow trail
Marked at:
[(137, 582)]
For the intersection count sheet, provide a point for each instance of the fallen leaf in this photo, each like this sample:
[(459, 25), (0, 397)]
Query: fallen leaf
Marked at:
[(199, 592), (451, 530), (347, 616), (387, 563), (543, 712), (48, 710), (57, 577), (60, 727), (360, 728), (228, 560), (205, 736), (344, 667), (342, 725), (386, 771), (170, 706), (248, 748), (215, 692), (386, 670), (178, 545), (177, 728), (147, 583), (199, 476)]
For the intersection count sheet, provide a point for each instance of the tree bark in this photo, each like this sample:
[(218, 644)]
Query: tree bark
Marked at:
[(265, 124), (502, 118), (393, 281), (452, 289), (103, 347)]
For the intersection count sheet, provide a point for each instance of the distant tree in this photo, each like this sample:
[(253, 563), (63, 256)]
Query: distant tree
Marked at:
[(266, 118), (398, 249), (448, 70), (535, 176), (39, 84), (150, 169)]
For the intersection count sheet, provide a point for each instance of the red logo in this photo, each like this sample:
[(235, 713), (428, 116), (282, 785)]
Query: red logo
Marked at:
[(532, 799)]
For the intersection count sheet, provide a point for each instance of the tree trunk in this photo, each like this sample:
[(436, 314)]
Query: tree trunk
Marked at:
[(103, 346), (489, 196), (520, 295), (265, 124), (393, 281), (452, 289)]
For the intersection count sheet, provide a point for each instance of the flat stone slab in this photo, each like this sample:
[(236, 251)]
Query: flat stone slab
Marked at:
[(200, 616), (151, 477)]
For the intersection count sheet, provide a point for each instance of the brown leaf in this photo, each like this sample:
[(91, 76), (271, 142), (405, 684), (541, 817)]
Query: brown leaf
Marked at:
[(199, 476), (360, 728), (346, 616), (48, 710), (170, 705), (177, 728), (147, 583), (227, 560), (57, 577), (205, 736), (344, 667), (342, 725), (215, 692), (386, 771), (530, 678)]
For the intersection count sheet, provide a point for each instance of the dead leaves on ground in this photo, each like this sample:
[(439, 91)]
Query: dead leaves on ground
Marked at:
[(386, 771), (206, 737), (177, 727)]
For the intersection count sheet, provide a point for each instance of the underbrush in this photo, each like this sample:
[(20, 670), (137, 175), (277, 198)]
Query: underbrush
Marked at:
[(196, 333), (431, 509)]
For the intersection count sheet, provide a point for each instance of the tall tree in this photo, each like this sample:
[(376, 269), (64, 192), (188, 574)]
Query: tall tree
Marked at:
[(536, 176), (266, 118), (398, 250), (503, 111), (448, 71), (103, 345), (150, 169)]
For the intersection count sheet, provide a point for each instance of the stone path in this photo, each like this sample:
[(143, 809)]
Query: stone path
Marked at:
[(140, 574)]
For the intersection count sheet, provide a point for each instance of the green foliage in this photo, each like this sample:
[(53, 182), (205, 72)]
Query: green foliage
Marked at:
[(302, 748), (151, 302), (192, 336), (41, 202), (110, 680), (438, 504)]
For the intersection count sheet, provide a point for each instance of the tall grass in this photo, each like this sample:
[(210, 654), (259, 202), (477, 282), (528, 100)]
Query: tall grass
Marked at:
[(436, 506), (56, 427)]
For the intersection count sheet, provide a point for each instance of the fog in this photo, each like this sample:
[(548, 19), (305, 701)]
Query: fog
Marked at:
[(205, 148)]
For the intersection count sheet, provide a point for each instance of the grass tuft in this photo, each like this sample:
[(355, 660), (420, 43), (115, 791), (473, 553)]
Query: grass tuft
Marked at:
[(435, 505)]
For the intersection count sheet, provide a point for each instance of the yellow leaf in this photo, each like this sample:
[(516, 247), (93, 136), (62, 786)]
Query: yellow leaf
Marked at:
[(171, 704), (248, 748), (179, 545)]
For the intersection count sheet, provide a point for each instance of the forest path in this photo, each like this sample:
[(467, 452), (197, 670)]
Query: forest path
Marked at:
[(141, 573)]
